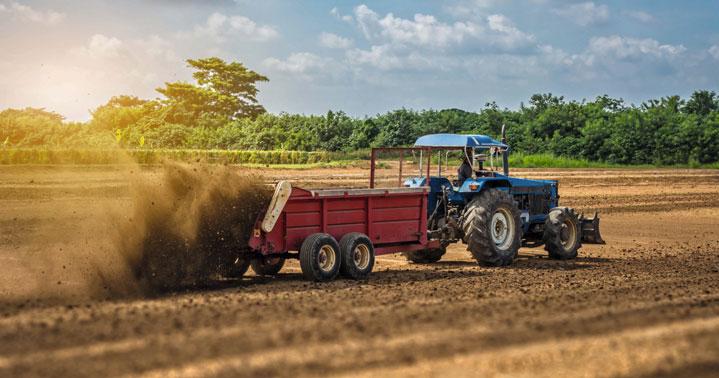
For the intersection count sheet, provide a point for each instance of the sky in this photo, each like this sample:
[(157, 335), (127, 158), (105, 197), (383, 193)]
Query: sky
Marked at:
[(362, 57)]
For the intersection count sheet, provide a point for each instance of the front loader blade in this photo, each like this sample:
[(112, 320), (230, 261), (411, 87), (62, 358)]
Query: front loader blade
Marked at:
[(590, 230)]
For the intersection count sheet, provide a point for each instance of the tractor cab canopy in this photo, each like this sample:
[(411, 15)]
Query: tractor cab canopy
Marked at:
[(458, 141), (476, 148)]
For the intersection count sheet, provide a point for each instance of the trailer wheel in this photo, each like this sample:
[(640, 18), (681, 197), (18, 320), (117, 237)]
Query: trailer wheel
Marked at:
[(357, 256), (425, 256), (562, 233), (491, 226), (320, 257), (238, 268), (267, 265)]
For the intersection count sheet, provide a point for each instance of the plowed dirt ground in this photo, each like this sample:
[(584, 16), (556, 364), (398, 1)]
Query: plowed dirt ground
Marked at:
[(645, 304)]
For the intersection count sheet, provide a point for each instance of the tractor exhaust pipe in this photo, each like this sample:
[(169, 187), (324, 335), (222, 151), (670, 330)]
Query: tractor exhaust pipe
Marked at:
[(505, 153)]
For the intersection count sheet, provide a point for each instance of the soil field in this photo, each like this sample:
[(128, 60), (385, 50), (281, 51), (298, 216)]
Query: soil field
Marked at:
[(644, 304)]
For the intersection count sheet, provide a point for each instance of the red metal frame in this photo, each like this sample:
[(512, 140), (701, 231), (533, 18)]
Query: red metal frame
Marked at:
[(394, 219)]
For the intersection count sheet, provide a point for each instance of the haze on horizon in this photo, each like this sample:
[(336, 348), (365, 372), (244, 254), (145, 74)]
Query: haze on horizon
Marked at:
[(363, 57)]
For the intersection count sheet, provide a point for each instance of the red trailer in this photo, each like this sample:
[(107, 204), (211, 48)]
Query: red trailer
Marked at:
[(341, 230)]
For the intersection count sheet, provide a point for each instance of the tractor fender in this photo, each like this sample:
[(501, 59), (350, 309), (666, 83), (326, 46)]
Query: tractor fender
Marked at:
[(468, 191), (477, 185)]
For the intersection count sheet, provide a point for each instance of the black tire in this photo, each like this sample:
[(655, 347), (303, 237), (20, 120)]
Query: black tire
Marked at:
[(478, 233), (357, 256), (314, 268), (562, 233), (238, 268), (267, 265), (425, 256)]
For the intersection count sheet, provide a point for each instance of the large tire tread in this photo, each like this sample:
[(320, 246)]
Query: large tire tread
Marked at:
[(552, 230), (475, 226), (347, 244), (307, 257)]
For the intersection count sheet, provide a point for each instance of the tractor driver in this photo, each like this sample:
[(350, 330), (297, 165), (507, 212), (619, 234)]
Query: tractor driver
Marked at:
[(465, 169)]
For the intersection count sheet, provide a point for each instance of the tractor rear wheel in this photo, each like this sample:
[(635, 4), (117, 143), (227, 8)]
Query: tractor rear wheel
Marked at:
[(562, 233), (491, 226), (425, 256), (267, 265), (320, 257)]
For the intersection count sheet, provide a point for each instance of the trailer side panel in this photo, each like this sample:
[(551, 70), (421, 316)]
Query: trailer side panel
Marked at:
[(392, 218)]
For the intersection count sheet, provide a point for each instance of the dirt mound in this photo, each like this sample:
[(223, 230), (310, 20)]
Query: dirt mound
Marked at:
[(190, 225)]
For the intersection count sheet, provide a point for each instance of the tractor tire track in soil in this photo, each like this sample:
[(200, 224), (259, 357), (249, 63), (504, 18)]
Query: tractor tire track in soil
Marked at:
[(647, 303)]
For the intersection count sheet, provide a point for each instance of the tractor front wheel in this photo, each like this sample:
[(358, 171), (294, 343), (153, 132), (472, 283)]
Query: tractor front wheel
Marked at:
[(491, 226), (562, 233), (425, 256)]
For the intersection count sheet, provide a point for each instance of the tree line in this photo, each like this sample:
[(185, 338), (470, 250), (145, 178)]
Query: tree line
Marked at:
[(220, 111)]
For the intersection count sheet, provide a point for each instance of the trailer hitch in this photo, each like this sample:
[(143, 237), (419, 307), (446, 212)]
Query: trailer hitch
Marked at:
[(590, 229)]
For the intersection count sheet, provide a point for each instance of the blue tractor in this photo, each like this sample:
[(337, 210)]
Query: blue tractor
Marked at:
[(493, 213)]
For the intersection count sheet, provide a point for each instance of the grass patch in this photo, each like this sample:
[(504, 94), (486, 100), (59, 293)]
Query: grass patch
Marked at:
[(154, 156), (280, 159), (519, 160)]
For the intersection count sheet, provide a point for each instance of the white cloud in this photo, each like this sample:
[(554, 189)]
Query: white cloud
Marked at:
[(427, 32), (388, 57), (507, 35), (616, 59), (470, 8), (336, 13), (640, 16), (221, 27), (423, 30), (381, 57), (301, 62), (153, 48), (136, 60), (584, 14), (27, 13), (625, 48), (334, 41), (251, 29), (425, 43), (555, 56), (714, 51), (158, 47), (100, 46)]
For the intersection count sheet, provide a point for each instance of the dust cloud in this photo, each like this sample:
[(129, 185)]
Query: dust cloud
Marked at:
[(190, 226), (172, 228)]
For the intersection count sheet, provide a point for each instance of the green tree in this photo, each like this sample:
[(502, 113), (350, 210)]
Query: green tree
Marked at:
[(121, 112), (702, 103), (397, 128), (224, 91)]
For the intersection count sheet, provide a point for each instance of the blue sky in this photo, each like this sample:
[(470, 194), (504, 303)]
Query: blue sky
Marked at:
[(363, 57)]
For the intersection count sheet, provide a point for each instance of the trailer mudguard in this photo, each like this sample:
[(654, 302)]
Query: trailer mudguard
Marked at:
[(283, 189)]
